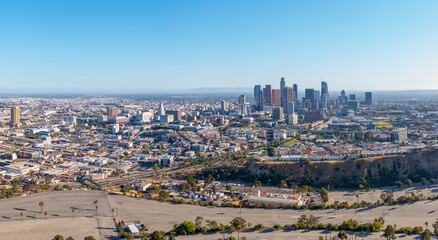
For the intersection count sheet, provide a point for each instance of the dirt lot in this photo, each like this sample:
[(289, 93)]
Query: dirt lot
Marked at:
[(163, 216)]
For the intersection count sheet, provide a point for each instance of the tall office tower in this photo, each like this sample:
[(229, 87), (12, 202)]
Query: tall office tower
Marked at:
[(111, 112), (288, 96), (161, 110), (309, 97), (276, 97), (290, 108), (282, 87), (242, 100), (268, 95), (258, 97), (317, 94), (277, 113), (324, 100), (324, 88), (15, 116), (257, 88), (352, 97), (368, 98), (224, 105), (343, 98), (296, 94), (324, 95)]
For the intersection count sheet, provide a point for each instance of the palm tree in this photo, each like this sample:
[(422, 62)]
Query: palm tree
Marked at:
[(427, 224), (73, 211), (45, 214), (41, 204), (21, 215)]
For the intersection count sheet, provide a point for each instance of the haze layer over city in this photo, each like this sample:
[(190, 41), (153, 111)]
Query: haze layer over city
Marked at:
[(219, 120)]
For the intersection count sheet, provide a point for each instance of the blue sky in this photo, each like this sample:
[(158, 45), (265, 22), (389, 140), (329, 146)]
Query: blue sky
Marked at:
[(144, 46)]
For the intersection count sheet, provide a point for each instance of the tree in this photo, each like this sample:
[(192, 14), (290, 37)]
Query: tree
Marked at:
[(238, 223), (70, 238), (423, 182), (435, 227), (324, 195), (89, 238), (73, 211), (409, 182), (58, 237), (431, 181), (425, 235), (342, 235), (41, 204), (21, 216), (399, 184), (389, 233), (158, 235), (228, 187), (96, 202), (257, 184), (46, 213), (185, 228)]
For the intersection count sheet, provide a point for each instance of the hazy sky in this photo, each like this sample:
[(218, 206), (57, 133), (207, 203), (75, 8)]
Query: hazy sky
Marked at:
[(143, 46)]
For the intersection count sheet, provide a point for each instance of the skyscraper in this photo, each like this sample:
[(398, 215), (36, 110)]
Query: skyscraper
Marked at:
[(268, 96), (324, 88), (161, 110), (224, 105), (324, 95), (276, 97), (282, 87), (368, 98), (309, 98), (258, 97), (296, 93), (15, 116), (111, 112), (352, 97), (257, 89), (242, 100), (288, 96)]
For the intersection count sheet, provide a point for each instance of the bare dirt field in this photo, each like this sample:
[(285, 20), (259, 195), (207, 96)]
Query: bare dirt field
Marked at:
[(162, 216), (158, 215), (60, 219)]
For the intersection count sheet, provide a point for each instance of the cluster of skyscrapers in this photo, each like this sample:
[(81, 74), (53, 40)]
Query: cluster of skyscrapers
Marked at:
[(285, 101)]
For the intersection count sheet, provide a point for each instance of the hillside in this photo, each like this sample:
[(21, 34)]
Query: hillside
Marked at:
[(350, 173), (370, 172)]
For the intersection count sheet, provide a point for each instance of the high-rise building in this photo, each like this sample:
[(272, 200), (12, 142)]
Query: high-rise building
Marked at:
[(177, 114), (352, 97), (161, 110), (352, 105), (290, 108), (224, 105), (242, 100), (296, 94), (282, 87), (368, 98), (324, 95), (112, 112), (276, 97), (15, 116), (277, 113), (324, 100), (257, 89), (268, 94), (324, 88), (309, 98), (400, 135), (288, 96)]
